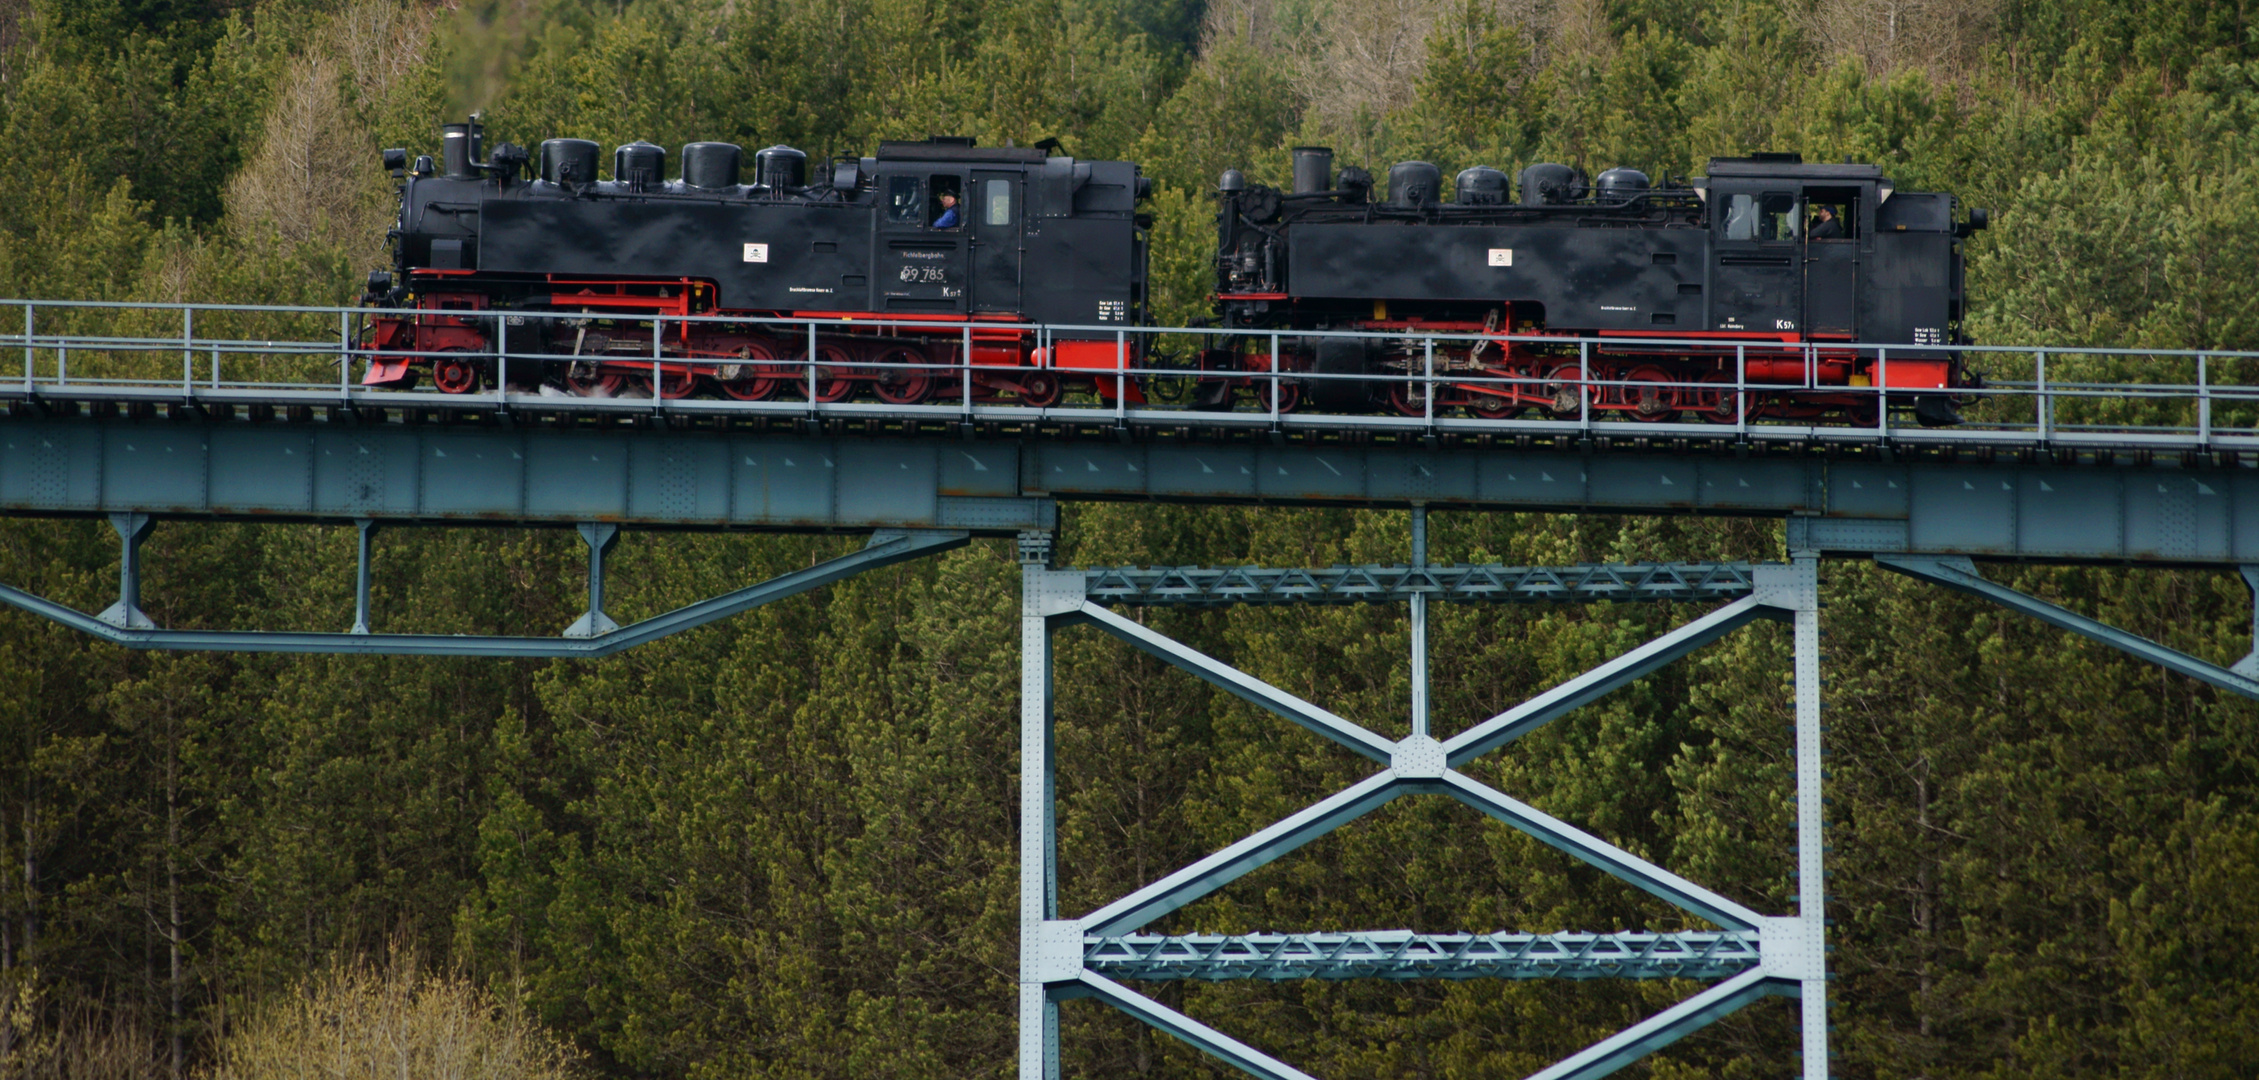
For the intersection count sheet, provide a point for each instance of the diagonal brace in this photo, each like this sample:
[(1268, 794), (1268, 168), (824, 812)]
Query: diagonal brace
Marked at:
[(1241, 684), (1224, 867), (1600, 681), (886, 549), (1959, 574), (1630, 868), (1666, 1027), (1202, 1037)]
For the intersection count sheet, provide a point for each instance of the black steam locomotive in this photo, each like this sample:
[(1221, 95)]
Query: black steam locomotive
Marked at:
[(1762, 272), (922, 234)]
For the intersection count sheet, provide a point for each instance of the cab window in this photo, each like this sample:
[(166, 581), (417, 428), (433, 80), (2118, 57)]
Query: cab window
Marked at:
[(947, 209), (996, 201), (1768, 216), (904, 201)]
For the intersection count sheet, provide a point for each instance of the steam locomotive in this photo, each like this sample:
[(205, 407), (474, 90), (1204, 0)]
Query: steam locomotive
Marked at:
[(922, 233), (1760, 273)]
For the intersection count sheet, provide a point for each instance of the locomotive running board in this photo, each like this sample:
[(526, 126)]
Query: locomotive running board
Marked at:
[(124, 624)]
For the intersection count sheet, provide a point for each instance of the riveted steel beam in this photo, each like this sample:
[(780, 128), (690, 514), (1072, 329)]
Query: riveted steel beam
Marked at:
[(885, 549), (1959, 574), (1603, 680), (1666, 1027), (1240, 684), (1226, 866), (1385, 584), (1202, 1037), (1403, 954), (1598, 853)]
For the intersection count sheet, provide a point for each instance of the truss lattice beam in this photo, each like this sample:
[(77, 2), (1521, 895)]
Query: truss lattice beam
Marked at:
[(1202, 1037), (1666, 1027), (1402, 954), (1368, 584)]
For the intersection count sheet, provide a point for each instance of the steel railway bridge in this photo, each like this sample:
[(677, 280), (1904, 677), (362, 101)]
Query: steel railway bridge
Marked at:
[(139, 425)]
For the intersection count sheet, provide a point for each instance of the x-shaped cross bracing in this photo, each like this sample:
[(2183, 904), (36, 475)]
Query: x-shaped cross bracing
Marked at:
[(1053, 948)]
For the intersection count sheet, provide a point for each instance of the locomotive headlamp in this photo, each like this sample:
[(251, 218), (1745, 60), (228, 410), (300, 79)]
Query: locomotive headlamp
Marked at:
[(423, 165), (1144, 188), (395, 161)]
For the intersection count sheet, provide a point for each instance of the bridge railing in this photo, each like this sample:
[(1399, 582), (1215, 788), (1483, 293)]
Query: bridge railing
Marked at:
[(283, 355)]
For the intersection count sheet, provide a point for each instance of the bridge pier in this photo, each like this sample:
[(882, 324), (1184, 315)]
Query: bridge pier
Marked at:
[(1753, 955)]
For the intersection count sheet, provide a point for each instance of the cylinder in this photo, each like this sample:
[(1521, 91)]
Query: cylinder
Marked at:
[(1480, 186), (1548, 184), (568, 161), (640, 165), (1619, 184), (710, 166), (455, 150), (1313, 169), (780, 169), (1414, 184)]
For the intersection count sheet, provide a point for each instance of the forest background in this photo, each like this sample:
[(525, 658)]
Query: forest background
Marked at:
[(784, 846)]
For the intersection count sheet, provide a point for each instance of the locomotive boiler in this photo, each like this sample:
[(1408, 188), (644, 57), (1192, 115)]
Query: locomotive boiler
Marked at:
[(534, 268), (1738, 294)]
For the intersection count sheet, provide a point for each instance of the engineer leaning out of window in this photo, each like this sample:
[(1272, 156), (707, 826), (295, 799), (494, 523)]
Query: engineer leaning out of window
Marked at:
[(948, 218)]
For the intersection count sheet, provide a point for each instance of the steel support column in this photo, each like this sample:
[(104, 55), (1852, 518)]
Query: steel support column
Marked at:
[(366, 527), (1047, 598), (126, 613), (599, 537), (1804, 954)]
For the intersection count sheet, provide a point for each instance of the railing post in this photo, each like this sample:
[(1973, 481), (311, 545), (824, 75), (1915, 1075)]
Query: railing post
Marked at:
[(1584, 386), (502, 363), (658, 340), (28, 305), (811, 369), (62, 363), (1121, 377), (1741, 395), (2203, 402), (344, 356), (2046, 404), (1427, 387), (1882, 394), (968, 369), (1274, 402), (188, 352)]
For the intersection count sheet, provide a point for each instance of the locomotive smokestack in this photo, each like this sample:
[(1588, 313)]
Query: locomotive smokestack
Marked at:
[(456, 151), (1313, 169)]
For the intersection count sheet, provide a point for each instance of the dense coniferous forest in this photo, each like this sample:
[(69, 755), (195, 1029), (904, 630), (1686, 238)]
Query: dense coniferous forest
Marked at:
[(784, 846)]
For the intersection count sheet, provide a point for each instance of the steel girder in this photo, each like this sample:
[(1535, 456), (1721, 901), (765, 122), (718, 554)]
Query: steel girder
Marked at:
[(1065, 957), (593, 635), (2116, 507), (1402, 954), (1367, 584)]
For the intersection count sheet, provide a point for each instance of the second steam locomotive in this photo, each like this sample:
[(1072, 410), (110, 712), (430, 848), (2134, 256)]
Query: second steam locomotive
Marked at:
[(1759, 275)]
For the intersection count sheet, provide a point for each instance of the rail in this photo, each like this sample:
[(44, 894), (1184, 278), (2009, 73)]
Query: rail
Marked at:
[(2055, 397)]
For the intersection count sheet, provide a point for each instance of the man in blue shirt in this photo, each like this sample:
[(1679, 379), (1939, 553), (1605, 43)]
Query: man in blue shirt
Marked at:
[(948, 218)]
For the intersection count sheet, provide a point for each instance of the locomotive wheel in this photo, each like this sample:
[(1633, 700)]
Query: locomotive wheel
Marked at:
[(1401, 397), (1289, 394), (1492, 407), (1863, 413), (1719, 406), (1041, 389), (673, 384), (1651, 397), (455, 374), (897, 383), (595, 384), (1561, 386), (834, 377), (751, 381)]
